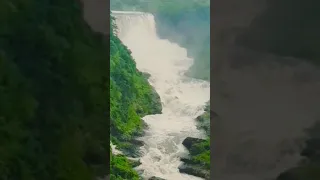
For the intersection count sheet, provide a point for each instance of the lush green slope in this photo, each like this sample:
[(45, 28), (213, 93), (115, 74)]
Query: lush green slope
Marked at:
[(121, 169), (184, 22), (53, 93), (131, 97)]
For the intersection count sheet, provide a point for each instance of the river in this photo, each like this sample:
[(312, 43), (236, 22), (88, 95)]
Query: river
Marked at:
[(183, 98)]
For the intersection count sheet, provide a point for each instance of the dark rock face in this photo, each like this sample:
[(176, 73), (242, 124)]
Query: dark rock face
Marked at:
[(156, 178), (189, 166), (136, 142), (133, 148), (187, 160), (190, 141), (135, 162), (194, 170)]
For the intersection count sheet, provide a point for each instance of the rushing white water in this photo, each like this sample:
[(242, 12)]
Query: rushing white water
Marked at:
[(183, 98)]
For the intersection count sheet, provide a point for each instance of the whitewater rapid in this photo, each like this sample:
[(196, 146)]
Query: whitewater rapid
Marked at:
[(183, 98)]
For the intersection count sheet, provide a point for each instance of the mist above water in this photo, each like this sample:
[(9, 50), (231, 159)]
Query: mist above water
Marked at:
[(183, 98)]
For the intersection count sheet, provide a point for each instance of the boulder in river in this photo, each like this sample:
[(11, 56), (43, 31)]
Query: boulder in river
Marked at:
[(194, 170), (155, 178), (136, 142), (134, 162), (191, 166), (190, 141)]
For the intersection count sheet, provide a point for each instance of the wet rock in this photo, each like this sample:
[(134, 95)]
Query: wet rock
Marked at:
[(190, 141), (156, 178), (134, 162), (132, 148), (187, 160), (194, 170), (190, 166), (136, 142)]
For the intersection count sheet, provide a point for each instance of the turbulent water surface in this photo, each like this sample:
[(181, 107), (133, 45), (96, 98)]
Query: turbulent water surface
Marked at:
[(183, 98)]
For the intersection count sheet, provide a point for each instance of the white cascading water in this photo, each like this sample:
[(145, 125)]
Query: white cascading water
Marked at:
[(183, 98)]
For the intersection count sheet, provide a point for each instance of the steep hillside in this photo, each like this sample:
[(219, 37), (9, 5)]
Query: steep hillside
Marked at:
[(53, 93), (131, 97)]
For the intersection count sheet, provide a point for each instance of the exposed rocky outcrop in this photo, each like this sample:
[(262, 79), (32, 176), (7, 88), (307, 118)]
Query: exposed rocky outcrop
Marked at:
[(194, 170), (190, 165), (134, 162), (190, 141), (132, 148)]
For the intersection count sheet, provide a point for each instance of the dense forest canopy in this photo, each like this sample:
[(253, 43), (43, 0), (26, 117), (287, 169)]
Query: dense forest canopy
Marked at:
[(53, 93)]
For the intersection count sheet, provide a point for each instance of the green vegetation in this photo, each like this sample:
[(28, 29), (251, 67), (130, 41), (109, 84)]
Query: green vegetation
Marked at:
[(131, 97), (204, 120), (200, 152), (53, 93), (184, 22), (121, 169)]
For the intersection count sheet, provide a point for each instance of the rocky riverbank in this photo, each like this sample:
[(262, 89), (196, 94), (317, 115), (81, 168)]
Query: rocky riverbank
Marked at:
[(197, 163)]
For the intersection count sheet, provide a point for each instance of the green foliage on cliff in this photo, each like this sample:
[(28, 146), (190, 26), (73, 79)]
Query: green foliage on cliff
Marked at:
[(184, 22), (121, 169), (131, 97), (53, 93), (200, 154), (204, 120)]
